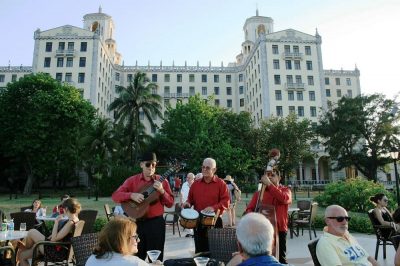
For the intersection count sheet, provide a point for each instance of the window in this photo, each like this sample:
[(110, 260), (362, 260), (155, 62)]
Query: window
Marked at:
[(204, 78), (204, 91), (277, 79), (240, 77), (153, 129), (70, 45), (298, 79), (179, 90), (83, 46), (228, 78), (154, 91), (81, 78), (166, 102), (191, 77), (117, 75), (289, 79), (290, 95), (297, 64), (216, 90), (241, 102), (2, 77), (313, 111), (129, 78), (287, 49), (279, 111), (350, 93), (311, 95), (141, 115), (338, 93), (309, 65), (82, 62), (166, 90), (295, 49), (328, 92), (178, 77), (216, 102), (47, 61), (59, 76), (310, 80), (13, 77), (278, 95), (299, 95), (308, 50), (49, 46), (240, 89), (153, 77), (348, 81), (228, 90), (300, 111), (326, 81), (288, 64), (229, 103), (61, 46), (166, 77), (275, 49), (69, 62), (292, 110), (68, 77), (337, 81), (276, 64), (216, 78), (191, 91), (60, 62)]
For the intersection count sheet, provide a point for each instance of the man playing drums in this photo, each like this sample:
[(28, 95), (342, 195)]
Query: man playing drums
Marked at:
[(207, 195)]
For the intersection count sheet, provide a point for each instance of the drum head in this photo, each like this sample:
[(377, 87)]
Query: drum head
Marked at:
[(211, 214), (189, 214)]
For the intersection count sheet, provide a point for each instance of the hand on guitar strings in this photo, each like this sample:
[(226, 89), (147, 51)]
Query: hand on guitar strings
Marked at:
[(138, 197), (158, 186)]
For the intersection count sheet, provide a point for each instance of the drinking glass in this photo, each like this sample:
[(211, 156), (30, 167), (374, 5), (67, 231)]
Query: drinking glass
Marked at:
[(201, 261), (44, 211), (153, 255), (22, 227)]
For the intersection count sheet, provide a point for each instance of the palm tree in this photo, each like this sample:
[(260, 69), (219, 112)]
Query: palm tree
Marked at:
[(137, 97)]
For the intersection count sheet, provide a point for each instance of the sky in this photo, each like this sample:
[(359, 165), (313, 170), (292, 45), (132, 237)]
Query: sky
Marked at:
[(358, 33)]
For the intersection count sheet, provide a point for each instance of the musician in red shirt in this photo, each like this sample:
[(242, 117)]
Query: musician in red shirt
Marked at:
[(209, 194), (279, 196), (151, 226)]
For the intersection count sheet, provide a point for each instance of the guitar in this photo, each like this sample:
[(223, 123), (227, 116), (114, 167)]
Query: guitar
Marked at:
[(138, 210)]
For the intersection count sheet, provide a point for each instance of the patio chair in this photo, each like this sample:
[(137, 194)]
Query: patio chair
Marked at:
[(109, 214), (304, 208), (312, 247), (89, 216), (25, 208), (396, 241), (64, 250), (222, 243), (25, 217), (7, 256), (383, 234), (306, 221), (174, 220), (83, 247)]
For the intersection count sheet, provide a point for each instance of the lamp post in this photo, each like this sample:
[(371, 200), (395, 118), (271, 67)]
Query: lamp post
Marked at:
[(395, 155)]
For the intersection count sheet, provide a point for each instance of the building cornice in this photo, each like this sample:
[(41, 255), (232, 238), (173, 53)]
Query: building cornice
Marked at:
[(15, 69)]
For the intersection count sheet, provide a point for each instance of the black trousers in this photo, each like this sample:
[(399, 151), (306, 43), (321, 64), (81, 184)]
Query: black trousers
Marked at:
[(282, 247), (152, 236), (201, 236)]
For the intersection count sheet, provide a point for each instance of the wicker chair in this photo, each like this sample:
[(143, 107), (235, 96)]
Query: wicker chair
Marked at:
[(109, 214), (396, 241), (7, 256), (83, 247), (89, 216), (222, 243), (312, 247), (24, 217), (175, 218), (46, 259), (383, 234), (306, 221)]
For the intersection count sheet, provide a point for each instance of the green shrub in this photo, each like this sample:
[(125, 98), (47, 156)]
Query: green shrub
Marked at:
[(358, 223), (108, 184), (99, 224), (353, 194)]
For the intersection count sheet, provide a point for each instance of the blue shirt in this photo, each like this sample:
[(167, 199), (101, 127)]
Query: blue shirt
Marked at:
[(261, 260)]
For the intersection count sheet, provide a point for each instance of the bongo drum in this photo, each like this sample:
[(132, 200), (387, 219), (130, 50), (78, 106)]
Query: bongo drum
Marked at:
[(188, 218), (208, 218)]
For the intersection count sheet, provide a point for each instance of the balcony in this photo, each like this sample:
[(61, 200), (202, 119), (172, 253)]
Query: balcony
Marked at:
[(176, 95), (63, 52), (289, 55), (295, 86)]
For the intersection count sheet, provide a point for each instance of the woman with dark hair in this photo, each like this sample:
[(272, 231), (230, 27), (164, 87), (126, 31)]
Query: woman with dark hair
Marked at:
[(381, 213), (36, 208), (63, 230), (118, 240)]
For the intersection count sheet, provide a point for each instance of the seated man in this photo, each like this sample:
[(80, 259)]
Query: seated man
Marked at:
[(255, 235), (337, 246)]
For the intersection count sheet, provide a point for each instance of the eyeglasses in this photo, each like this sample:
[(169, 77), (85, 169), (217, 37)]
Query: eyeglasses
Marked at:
[(148, 164), (136, 237), (206, 167), (385, 200), (340, 218)]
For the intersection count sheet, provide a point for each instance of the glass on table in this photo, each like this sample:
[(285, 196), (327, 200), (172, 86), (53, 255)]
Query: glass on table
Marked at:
[(22, 227), (201, 261), (153, 255)]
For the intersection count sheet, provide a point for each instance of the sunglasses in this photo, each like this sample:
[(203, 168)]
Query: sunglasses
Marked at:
[(136, 237), (340, 218), (148, 164), (385, 200)]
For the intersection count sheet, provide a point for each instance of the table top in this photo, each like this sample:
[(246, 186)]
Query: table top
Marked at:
[(11, 235), (293, 209), (49, 218)]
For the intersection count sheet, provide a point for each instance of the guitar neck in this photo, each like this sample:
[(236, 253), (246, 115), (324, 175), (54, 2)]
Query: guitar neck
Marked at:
[(151, 189)]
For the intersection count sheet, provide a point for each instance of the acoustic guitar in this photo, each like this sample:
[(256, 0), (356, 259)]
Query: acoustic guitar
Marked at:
[(139, 210)]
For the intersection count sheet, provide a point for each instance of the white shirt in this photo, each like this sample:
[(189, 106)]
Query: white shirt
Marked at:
[(116, 259), (185, 191), (39, 212), (118, 210)]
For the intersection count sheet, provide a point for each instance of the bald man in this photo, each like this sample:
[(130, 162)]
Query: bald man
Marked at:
[(337, 246)]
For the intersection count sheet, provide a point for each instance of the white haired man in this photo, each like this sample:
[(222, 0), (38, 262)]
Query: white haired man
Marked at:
[(254, 235), (185, 193), (337, 246)]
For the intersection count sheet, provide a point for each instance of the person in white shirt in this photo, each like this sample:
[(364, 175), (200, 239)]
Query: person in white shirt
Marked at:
[(36, 208), (119, 211), (118, 240), (184, 194)]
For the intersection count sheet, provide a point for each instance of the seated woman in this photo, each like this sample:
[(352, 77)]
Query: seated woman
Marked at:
[(382, 214), (58, 209), (118, 240), (36, 207), (63, 230)]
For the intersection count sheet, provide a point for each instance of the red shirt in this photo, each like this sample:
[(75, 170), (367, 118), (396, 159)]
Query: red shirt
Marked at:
[(214, 194), (178, 182), (281, 198), (60, 209), (134, 183)]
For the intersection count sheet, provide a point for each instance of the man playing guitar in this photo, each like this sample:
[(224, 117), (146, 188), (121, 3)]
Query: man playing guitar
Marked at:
[(151, 226)]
